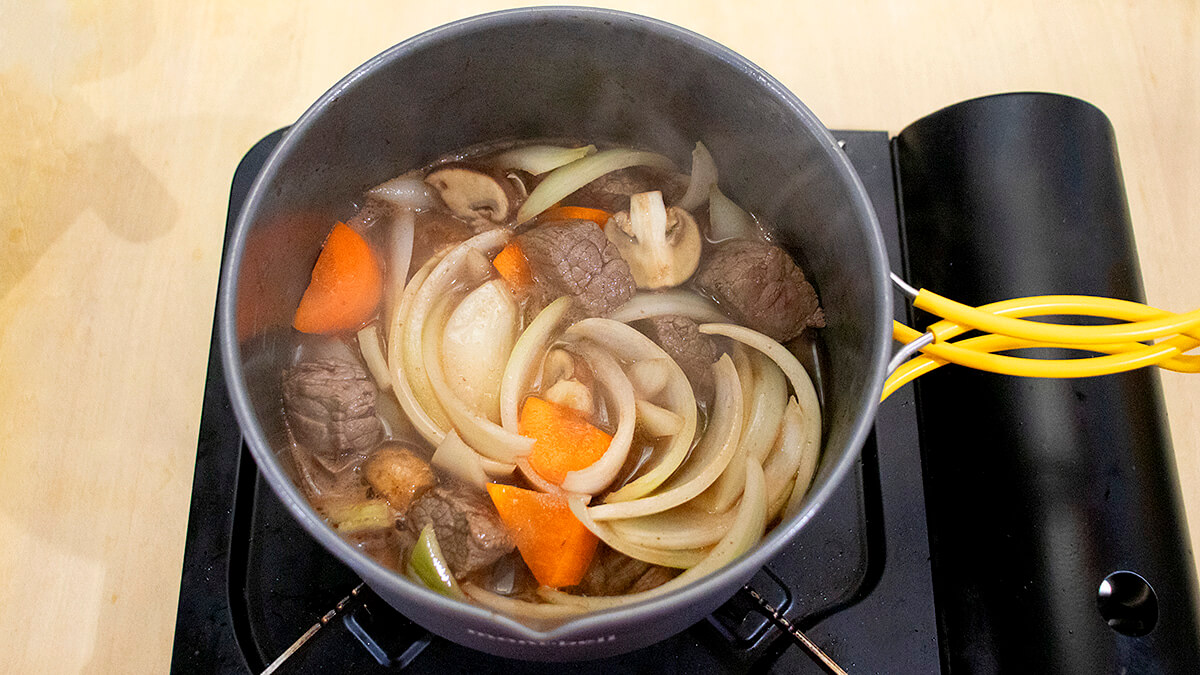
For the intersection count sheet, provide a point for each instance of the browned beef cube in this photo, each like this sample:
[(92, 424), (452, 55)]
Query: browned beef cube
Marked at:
[(467, 526), (760, 285)]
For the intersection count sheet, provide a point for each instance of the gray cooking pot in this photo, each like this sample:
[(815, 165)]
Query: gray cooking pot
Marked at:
[(567, 73)]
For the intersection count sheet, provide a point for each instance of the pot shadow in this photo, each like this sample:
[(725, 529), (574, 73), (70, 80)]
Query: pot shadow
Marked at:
[(60, 162)]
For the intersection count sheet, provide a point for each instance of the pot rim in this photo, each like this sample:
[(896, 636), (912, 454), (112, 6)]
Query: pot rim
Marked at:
[(604, 621)]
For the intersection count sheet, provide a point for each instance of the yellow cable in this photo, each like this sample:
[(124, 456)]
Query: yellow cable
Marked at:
[(1045, 305), (1047, 332), (1132, 356), (1058, 368), (1063, 304), (1124, 353)]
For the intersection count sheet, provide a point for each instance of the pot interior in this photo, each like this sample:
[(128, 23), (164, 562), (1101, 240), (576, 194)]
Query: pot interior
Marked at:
[(581, 74)]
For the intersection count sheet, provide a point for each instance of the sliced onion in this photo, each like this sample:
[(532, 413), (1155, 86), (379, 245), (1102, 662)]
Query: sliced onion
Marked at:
[(538, 159), (368, 344), (630, 346), (764, 418), (745, 371), (678, 558), (656, 421), (476, 344), (431, 429), (727, 220), (725, 490), (488, 438), (806, 395), (684, 526), (704, 178), (458, 459), (649, 304), (807, 469), (770, 399), (785, 459), (457, 264), (522, 609), (568, 178), (801, 383), (600, 474), (710, 457), (496, 469), (526, 354), (400, 260), (747, 529), (406, 192)]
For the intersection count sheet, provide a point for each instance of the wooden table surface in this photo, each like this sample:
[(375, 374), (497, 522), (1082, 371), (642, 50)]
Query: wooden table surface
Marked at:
[(120, 127)]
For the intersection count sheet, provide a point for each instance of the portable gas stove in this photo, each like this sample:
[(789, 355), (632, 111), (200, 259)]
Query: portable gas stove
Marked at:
[(973, 535)]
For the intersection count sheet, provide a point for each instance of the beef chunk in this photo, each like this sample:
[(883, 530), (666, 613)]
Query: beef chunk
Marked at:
[(760, 285), (467, 526), (654, 577), (573, 257), (695, 352), (398, 475), (330, 408), (611, 191), (613, 573), (435, 231)]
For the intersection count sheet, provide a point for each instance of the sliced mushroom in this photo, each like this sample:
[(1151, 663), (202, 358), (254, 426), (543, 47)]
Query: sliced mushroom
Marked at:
[(398, 475), (661, 245), (481, 197)]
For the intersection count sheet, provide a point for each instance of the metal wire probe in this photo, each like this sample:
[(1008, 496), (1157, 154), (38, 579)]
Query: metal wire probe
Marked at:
[(326, 618), (821, 658)]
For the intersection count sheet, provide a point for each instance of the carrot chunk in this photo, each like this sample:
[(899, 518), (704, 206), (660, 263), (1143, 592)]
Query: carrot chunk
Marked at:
[(345, 288), (555, 546), (563, 440), (510, 262), (597, 216)]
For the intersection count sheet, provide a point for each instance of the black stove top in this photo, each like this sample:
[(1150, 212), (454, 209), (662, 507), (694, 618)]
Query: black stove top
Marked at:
[(856, 580), (973, 535)]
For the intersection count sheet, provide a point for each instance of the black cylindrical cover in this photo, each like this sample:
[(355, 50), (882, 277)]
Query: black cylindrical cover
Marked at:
[(1040, 489)]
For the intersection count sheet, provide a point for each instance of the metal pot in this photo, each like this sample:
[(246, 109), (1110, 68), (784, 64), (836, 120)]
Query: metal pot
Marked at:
[(559, 72)]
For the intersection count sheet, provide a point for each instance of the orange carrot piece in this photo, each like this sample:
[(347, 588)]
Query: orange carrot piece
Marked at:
[(555, 546), (345, 288), (510, 262), (597, 216), (563, 440)]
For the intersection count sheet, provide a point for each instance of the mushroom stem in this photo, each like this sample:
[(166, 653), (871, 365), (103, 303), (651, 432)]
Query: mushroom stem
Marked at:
[(661, 245), (648, 220)]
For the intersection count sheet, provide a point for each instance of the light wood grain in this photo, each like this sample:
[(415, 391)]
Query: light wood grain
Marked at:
[(121, 125)]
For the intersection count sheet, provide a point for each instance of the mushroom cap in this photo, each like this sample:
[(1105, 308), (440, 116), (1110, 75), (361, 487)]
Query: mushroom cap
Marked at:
[(481, 196), (662, 245)]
